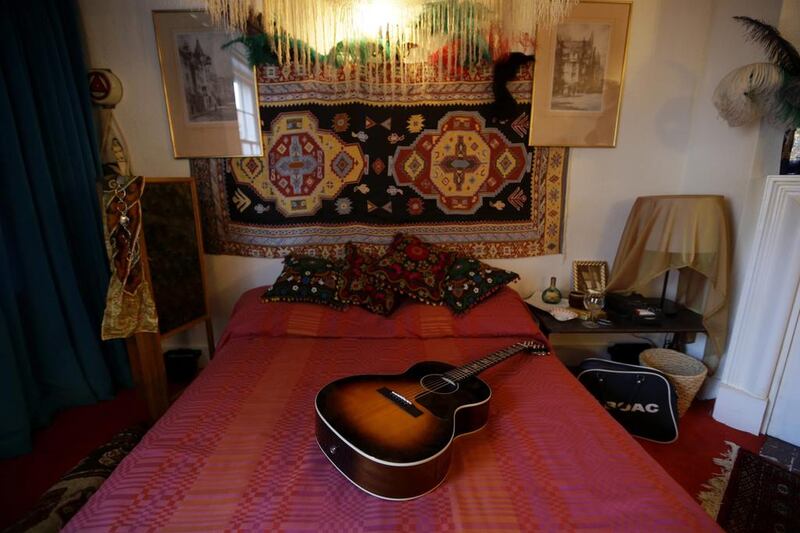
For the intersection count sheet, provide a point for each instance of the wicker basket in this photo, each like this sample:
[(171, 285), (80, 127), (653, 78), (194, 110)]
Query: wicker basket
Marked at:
[(684, 372)]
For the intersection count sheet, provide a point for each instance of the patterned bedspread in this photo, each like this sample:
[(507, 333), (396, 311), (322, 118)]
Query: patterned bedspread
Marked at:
[(237, 450)]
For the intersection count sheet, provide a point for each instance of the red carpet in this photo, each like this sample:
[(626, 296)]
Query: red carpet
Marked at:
[(56, 449), (76, 432), (689, 460)]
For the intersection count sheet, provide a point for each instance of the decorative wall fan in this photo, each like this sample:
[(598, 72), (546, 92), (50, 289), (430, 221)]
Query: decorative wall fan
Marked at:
[(762, 89)]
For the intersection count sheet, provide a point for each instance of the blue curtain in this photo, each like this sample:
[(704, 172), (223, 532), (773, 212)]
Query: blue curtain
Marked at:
[(53, 268)]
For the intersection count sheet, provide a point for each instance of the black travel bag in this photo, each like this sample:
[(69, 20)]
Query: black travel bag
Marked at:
[(640, 398)]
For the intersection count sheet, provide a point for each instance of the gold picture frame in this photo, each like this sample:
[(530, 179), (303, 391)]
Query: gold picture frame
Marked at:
[(579, 75), (589, 275), (210, 91)]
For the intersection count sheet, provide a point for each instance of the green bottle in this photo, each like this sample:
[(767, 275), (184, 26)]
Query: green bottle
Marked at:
[(551, 295)]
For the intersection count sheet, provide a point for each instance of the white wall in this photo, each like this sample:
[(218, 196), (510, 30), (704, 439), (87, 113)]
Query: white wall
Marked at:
[(752, 381), (670, 139)]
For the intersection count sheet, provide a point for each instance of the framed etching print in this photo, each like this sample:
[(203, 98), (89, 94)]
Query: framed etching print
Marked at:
[(578, 76), (589, 275), (209, 87)]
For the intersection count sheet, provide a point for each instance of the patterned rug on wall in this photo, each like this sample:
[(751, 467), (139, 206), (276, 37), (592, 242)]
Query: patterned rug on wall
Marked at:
[(363, 171)]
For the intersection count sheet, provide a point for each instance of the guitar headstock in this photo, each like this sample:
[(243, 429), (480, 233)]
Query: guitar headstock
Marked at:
[(535, 348)]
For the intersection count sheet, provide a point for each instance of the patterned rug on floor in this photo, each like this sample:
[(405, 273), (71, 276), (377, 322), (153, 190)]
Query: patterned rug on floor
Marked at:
[(752, 494), (714, 489), (60, 503)]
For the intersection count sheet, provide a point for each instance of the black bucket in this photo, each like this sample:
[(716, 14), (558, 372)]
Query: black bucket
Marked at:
[(181, 364)]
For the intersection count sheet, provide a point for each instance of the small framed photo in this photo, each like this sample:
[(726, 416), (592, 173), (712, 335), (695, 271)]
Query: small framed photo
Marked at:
[(578, 76), (210, 89), (589, 275)]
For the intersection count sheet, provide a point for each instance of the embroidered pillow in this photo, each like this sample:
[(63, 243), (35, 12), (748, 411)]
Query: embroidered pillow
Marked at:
[(470, 281), (414, 268), (503, 315), (357, 287), (307, 279)]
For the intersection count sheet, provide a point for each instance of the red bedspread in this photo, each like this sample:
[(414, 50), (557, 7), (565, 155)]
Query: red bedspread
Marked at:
[(237, 450)]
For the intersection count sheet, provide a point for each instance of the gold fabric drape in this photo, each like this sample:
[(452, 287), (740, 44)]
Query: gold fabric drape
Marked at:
[(686, 233), (129, 301)]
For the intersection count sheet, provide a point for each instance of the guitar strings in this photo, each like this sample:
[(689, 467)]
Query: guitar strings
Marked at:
[(444, 383), (460, 372)]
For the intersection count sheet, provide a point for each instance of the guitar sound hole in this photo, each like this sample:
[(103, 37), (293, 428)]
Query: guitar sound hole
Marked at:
[(438, 384)]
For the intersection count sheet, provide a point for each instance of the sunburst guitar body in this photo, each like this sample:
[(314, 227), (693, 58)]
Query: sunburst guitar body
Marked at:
[(390, 435)]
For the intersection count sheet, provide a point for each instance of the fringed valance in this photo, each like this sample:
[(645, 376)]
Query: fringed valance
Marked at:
[(399, 43)]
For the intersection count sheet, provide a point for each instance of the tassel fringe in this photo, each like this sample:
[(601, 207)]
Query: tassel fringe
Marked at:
[(714, 489), (391, 43)]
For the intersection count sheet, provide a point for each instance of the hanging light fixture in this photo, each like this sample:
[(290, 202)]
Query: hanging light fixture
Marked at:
[(388, 47), (408, 25)]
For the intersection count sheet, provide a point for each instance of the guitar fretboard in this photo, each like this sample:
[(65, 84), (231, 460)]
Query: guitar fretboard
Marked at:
[(479, 365)]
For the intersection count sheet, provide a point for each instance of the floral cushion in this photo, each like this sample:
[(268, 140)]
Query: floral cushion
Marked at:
[(357, 287), (307, 279), (414, 268), (470, 281)]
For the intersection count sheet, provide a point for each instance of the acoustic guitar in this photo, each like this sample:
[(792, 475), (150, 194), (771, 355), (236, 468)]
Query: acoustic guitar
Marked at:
[(390, 435)]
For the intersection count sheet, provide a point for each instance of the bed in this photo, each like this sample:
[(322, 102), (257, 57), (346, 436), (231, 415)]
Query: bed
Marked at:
[(237, 450)]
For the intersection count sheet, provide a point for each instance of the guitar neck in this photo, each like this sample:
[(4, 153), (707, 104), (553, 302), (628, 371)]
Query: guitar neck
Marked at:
[(479, 365)]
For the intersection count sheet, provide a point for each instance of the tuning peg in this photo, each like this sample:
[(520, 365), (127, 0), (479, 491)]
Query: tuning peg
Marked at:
[(539, 349)]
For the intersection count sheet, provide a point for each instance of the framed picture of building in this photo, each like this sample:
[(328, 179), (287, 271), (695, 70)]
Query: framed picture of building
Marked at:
[(209, 87), (578, 77)]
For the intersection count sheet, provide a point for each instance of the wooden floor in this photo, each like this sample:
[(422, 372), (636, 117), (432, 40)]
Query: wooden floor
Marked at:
[(74, 433)]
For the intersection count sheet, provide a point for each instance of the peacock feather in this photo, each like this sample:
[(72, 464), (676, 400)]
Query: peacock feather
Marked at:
[(780, 51)]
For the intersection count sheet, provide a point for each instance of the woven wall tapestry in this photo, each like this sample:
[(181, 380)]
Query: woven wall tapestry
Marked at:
[(441, 168)]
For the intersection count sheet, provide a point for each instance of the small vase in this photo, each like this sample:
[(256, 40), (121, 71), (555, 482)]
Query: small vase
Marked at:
[(551, 295)]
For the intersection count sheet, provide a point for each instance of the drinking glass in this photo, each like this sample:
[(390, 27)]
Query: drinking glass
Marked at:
[(593, 301)]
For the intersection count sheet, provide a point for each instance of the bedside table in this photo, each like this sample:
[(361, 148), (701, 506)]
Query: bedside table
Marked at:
[(682, 325)]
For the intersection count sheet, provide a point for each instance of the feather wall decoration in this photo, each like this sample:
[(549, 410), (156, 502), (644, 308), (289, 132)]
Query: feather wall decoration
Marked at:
[(748, 93), (780, 51), (762, 89)]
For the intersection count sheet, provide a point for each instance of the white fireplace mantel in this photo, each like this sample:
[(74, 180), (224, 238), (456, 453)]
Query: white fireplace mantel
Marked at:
[(767, 315)]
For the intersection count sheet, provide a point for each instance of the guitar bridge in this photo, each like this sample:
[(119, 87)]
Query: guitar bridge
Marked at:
[(400, 401)]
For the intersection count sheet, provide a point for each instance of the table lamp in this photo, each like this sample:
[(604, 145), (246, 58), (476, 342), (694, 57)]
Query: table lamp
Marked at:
[(687, 233)]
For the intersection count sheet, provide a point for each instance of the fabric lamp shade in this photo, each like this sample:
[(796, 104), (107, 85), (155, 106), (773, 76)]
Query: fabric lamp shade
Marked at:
[(690, 234)]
